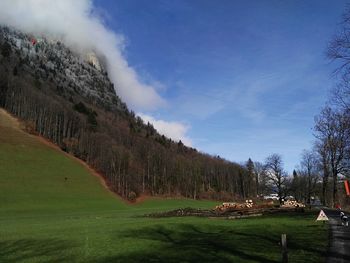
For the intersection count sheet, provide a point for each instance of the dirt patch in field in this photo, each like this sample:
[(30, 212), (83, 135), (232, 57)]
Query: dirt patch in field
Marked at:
[(141, 199)]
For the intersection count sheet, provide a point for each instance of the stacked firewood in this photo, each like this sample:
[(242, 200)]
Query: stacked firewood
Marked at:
[(292, 203), (230, 206), (249, 203), (225, 206)]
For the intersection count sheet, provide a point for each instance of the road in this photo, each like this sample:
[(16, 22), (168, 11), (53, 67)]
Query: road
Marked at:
[(339, 249)]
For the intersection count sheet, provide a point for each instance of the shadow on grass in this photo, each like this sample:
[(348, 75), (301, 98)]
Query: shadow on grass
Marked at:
[(188, 243), (33, 250), (341, 257)]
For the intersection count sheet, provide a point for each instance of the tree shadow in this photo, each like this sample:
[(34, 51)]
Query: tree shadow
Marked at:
[(337, 256), (188, 243), (34, 250), (334, 253)]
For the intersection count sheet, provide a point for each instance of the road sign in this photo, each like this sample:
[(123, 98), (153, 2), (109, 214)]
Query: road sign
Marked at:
[(322, 216)]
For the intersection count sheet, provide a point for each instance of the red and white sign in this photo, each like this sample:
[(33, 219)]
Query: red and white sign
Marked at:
[(322, 216)]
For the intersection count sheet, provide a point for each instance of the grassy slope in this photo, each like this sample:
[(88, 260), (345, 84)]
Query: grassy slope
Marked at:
[(33, 177), (44, 218)]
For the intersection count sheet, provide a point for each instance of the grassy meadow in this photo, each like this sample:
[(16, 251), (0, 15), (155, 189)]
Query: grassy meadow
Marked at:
[(45, 218)]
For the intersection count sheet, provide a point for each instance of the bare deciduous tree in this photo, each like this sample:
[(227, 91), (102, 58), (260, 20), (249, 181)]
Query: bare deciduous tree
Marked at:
[(276, 174), (324, 163), (332, 130), (309, 169), (260, 178)]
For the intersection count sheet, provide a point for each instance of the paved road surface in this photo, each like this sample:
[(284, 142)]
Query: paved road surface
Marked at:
[(339, 250)]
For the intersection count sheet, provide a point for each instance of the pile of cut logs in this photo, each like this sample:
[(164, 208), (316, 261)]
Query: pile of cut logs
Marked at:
[(230, 206), (234, 210), (292, 203), (249, 203)]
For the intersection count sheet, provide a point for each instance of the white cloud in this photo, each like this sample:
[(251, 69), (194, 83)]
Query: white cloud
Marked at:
[(79, 26), (174, 130)]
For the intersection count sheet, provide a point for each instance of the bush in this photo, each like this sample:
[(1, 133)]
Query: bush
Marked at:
[(30, 127), (132, 196)]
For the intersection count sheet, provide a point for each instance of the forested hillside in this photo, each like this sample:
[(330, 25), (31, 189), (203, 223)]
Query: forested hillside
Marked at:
[(70, 101)]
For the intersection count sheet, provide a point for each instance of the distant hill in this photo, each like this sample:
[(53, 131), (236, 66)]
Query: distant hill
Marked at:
[(69, 99)]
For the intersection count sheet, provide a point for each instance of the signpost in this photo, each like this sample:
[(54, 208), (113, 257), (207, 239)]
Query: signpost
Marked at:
[(284, 248)]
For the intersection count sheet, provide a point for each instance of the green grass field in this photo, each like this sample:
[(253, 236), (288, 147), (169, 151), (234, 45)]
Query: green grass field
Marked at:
[(45, 218)]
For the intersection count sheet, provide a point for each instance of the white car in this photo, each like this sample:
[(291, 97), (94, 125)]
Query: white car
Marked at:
[(271, 197)]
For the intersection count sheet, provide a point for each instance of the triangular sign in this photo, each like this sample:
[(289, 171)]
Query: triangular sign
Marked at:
[(322, 216)]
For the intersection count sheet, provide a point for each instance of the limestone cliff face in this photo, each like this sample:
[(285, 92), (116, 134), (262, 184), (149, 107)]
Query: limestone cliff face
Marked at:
[(93, 60), (49, 59)]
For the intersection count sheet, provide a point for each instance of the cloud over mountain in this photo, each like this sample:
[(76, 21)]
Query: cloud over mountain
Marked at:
[(80, 27)]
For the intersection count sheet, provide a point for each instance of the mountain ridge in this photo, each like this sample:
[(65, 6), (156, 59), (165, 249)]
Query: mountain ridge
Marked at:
[(52, 60)]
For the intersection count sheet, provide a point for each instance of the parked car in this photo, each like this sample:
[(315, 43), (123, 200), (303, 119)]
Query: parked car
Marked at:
[(271, 197)]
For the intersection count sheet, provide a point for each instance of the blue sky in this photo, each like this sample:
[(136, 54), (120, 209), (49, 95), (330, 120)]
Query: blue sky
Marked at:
[(245, 78)]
